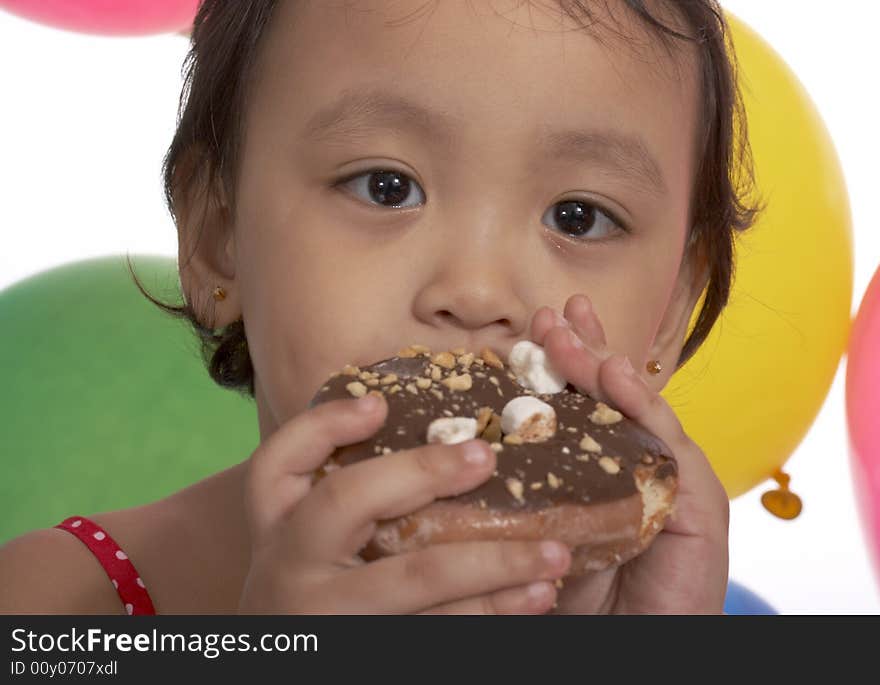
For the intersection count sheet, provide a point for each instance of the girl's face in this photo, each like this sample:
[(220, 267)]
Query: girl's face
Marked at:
[(434, 172)]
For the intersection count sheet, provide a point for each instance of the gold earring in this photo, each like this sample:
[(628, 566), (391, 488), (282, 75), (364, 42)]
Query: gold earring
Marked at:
[(219, 293), (654, 367)]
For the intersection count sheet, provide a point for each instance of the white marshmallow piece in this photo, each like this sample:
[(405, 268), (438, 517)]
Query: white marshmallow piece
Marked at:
[(533, 371), (529, 418), (453, 430)]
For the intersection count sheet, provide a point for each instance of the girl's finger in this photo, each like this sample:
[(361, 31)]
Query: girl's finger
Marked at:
[(700, 491), (275, 472), (338, 517), (579, 311), (447, 573), (576, 363), (536, 598), (543, 320)]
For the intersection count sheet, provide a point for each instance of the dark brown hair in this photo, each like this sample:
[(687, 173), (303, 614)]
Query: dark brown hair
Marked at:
[(218, 68)]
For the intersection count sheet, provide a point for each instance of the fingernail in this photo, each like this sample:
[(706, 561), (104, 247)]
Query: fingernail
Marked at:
[(627, 367), (538, 591), (368, 403), (575, 340), (476, 453), (552, 552), (560, 320)]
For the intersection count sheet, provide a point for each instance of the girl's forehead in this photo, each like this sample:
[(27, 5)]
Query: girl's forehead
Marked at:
[(470, 64)]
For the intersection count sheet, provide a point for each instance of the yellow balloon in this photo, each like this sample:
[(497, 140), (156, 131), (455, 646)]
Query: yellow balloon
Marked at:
[(752, 391)]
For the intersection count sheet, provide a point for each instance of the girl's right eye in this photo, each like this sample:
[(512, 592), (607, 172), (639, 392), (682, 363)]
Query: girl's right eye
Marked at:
[(385, 188)]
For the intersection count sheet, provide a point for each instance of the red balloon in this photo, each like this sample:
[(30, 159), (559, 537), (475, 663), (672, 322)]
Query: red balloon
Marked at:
[(863, 411), (108, 17)]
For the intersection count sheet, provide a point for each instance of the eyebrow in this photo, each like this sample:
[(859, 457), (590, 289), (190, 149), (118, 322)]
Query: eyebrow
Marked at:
[(360, 112)]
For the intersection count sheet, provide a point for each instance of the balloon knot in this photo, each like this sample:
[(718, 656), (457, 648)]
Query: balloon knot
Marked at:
[(781, 502)]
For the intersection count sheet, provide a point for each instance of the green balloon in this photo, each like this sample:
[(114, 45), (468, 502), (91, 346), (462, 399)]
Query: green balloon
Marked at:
[(106, 402)]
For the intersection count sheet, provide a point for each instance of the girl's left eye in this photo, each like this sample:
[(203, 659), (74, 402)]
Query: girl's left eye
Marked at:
[(582, 220), (385, 188)]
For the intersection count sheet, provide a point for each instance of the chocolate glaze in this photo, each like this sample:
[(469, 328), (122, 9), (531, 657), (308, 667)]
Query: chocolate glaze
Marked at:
[(583, 481)]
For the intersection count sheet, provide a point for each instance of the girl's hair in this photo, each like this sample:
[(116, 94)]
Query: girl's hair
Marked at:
[(218, 70)]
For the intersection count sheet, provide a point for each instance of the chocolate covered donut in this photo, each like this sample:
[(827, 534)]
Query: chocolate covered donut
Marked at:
[(568, 468)]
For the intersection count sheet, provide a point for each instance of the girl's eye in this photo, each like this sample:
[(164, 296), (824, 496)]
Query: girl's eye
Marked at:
[(386, 188), (578, 218)]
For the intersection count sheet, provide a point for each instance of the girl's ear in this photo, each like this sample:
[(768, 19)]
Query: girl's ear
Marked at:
[(693, 276), (206, 241)]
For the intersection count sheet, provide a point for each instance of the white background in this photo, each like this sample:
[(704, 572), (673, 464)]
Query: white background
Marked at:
[(84, 123)]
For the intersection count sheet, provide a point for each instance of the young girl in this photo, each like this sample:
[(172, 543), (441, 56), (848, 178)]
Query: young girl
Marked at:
[(348, 178)]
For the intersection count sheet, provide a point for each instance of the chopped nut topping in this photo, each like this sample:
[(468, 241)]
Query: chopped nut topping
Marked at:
[(388, 379), (394, 389), (479, 374), (484, 415), (458, 350), (582, 457), (349, 370), (356, 388), (466, 360), (386, 450), (515, 488), (492, 433), (565, 450), (420, 411), (513, 440), (479, 362), (553, 481), (589, 445), (491, 358), (571, 429), (496, 447), (537, 485), (446, 412), (423, 383), (647, 459), (444, 359), (463, 382), (436, 373), (609, 465), (494, 380), (420, 349), (437, 393), (365, 375), (372, 382), (411, 387), (605, 415)]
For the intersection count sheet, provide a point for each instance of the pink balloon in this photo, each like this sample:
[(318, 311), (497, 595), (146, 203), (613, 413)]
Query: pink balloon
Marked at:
[(108, 17), (863, 411)]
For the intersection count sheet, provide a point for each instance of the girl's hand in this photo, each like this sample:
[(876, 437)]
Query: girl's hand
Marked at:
[(306, 538), (685, 568)]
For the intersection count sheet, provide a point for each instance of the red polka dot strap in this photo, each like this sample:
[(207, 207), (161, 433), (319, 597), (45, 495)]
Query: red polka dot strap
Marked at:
[(116, 563)]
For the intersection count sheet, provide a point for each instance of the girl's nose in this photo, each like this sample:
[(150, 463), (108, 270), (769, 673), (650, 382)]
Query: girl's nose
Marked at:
[(474, 284)]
